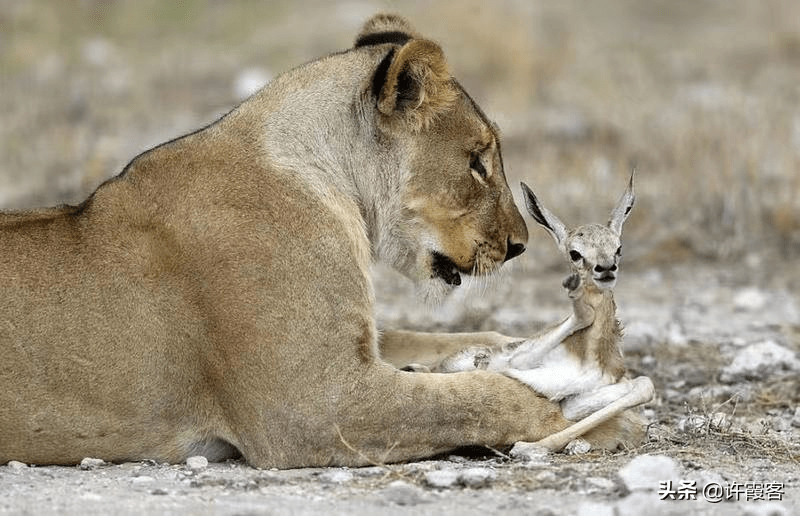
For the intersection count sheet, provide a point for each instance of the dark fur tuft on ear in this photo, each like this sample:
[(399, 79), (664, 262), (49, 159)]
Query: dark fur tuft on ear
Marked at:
[(381, 38), (385, 28)]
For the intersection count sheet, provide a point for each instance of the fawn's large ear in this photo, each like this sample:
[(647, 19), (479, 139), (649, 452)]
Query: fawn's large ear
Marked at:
[(620, 213), (543, 216), (412, 84)]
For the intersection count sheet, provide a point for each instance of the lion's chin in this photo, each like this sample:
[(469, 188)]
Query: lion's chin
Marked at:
[(433, 291), (444, 268)]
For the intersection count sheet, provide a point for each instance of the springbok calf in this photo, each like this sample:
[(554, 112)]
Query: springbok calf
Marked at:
[(583, 369)]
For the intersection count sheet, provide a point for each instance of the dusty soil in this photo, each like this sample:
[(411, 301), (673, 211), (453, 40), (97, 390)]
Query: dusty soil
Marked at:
[(686, 323)]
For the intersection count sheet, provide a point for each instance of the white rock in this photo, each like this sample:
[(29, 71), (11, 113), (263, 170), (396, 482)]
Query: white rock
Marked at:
[(16, 465), (546, 476), (602, 483), (750, 300), (577, 447), (441, 478), (477, 477), (197, 463), (646, 471), (758, 361), (676, 334), (694, 424), (720, 421), (531, 453), (796, 418), (142, 479), (640, 503), (336, 476), (403, 493), (90, 463)]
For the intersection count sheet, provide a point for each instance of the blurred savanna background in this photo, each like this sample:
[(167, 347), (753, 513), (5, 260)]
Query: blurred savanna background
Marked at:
[(702, 96)]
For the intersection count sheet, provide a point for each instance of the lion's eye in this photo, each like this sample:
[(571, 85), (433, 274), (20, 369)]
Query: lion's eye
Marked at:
[(476, 165), (575, 255)]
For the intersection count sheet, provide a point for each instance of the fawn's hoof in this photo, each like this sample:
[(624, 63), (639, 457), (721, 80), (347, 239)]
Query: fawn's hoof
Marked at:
[(572, 282)]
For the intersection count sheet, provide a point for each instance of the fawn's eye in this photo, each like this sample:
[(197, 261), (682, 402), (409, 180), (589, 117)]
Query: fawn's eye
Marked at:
[(476, 165), (619, 251), (575, 255)]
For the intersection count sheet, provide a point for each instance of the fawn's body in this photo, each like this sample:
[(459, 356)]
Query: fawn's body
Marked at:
[(582, 369)]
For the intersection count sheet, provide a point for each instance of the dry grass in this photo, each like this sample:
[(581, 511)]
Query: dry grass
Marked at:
[(701, 95)]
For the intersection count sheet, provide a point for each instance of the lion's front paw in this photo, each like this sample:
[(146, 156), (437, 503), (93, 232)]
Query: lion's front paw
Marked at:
[(470, 359)]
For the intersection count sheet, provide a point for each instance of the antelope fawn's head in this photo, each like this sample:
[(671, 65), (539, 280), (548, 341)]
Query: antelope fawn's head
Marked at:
[(593, 250)]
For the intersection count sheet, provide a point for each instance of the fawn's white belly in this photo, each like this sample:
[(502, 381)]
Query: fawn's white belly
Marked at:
[(560, 374)]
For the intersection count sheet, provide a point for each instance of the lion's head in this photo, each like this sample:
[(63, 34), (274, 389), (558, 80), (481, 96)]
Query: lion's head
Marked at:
[(456, 213)]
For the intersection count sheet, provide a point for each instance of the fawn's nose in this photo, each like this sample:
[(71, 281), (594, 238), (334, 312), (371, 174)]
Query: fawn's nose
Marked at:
[(513, 250), (600, 269)]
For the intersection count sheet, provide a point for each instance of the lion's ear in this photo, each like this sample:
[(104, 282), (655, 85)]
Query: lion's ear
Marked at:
[(413, 84), (385, 28)]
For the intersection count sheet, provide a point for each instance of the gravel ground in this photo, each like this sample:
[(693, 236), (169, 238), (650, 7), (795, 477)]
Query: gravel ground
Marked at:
[(724, 359)]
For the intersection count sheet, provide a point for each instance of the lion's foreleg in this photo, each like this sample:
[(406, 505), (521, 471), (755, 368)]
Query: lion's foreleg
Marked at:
[(414, 415)]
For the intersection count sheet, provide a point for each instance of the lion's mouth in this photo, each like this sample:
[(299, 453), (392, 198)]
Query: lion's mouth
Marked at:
[(445, 268)]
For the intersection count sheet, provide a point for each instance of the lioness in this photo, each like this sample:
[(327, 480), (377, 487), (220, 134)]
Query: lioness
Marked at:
[(214, 298)]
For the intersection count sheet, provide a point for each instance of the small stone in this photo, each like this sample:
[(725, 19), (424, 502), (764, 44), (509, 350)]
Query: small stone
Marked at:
[(546, 477), (601, 483), (750, 300), (637, 504), (403, 493), (89, 463), (645, 472), (720, 422), (143, 479), (577, 447), (17, 465), (442, 478), (159, 491), (531, 453), (477, 477), (795, 418), (369, 472), (197, 463), (759, 361), (693, 424), (336, 476)]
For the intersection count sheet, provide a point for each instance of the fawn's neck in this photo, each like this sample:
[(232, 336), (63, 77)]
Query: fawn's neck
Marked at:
[(601, 342)]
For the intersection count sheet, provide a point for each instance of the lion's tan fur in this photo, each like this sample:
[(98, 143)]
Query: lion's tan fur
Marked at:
[(215, 296)]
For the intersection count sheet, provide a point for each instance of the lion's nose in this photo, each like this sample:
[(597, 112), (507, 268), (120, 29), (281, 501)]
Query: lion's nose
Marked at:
[(513, 250)]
